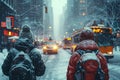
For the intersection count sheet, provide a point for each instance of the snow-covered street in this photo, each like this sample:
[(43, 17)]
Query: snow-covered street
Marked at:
[(114, 66), (56, 65), (58, 28)]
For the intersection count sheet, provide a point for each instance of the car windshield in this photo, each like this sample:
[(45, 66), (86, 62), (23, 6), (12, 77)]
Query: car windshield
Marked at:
[(51, 43), (105, 40)]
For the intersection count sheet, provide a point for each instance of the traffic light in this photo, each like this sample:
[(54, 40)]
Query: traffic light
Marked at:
[(46, 9), (9, 22)]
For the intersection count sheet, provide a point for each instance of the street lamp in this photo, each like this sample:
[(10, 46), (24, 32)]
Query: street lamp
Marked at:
[(83, 13), (66, 33), (50, 27), (73, 29)]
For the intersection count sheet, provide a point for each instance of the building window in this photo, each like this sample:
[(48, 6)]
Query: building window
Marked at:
[(82, 1), (82, 14)]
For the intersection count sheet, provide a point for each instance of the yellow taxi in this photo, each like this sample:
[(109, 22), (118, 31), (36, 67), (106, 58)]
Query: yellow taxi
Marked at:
[(50, 47)]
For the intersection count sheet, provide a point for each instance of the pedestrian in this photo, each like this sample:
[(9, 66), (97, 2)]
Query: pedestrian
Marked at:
[(26, 33), (37, 44), (25, 44), (78, 68)]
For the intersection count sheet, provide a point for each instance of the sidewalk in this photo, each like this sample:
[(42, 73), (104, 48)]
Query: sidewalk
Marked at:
[(3, 54)]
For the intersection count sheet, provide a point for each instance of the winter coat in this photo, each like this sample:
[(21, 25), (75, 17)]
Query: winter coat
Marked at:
[(35, 57), (90, 45)]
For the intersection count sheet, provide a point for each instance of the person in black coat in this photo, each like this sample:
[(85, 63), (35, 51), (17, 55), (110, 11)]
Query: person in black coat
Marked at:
[(25, 45)]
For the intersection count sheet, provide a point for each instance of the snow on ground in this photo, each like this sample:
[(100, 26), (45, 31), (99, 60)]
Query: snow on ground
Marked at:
[(113, 64), (3, 54)]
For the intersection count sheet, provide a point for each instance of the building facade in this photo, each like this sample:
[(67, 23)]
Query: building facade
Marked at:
[(30, 12), (48, 20), (7, 15), (81, 12)]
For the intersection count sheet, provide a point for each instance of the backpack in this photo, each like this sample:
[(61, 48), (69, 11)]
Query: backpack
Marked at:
[(22, 67), (88, 64)]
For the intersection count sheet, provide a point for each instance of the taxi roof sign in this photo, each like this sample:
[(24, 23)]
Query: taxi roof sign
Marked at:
[(69, 38)]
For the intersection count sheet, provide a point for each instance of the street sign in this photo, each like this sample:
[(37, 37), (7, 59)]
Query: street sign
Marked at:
[(8, 22), (3, 24)]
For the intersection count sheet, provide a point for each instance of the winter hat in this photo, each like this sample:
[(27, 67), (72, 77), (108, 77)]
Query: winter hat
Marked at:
[(26, 28), (22, 44), (87, 45), (86, 35), (26, 33)]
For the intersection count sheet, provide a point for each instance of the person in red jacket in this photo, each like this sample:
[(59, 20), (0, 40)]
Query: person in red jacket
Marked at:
[(86, 43)]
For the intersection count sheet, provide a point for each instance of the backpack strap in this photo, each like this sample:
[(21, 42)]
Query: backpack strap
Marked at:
[(29, 51), (79, 74), (100, 74), (14, 52)]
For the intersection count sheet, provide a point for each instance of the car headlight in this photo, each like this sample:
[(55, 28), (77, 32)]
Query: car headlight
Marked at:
[(55, 47), (109, 53), (44, 47), (74, 46)]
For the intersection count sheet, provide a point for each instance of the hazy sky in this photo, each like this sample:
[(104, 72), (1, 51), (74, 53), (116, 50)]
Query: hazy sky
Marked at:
[(57, 11), (58, 5)]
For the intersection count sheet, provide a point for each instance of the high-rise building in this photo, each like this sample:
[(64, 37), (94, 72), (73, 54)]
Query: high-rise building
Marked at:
[(30, 12), (22, 11), (76, 14), (113, 13), (81, 12), (69, 15), (48, 19), (36, 16), (7, 8)]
